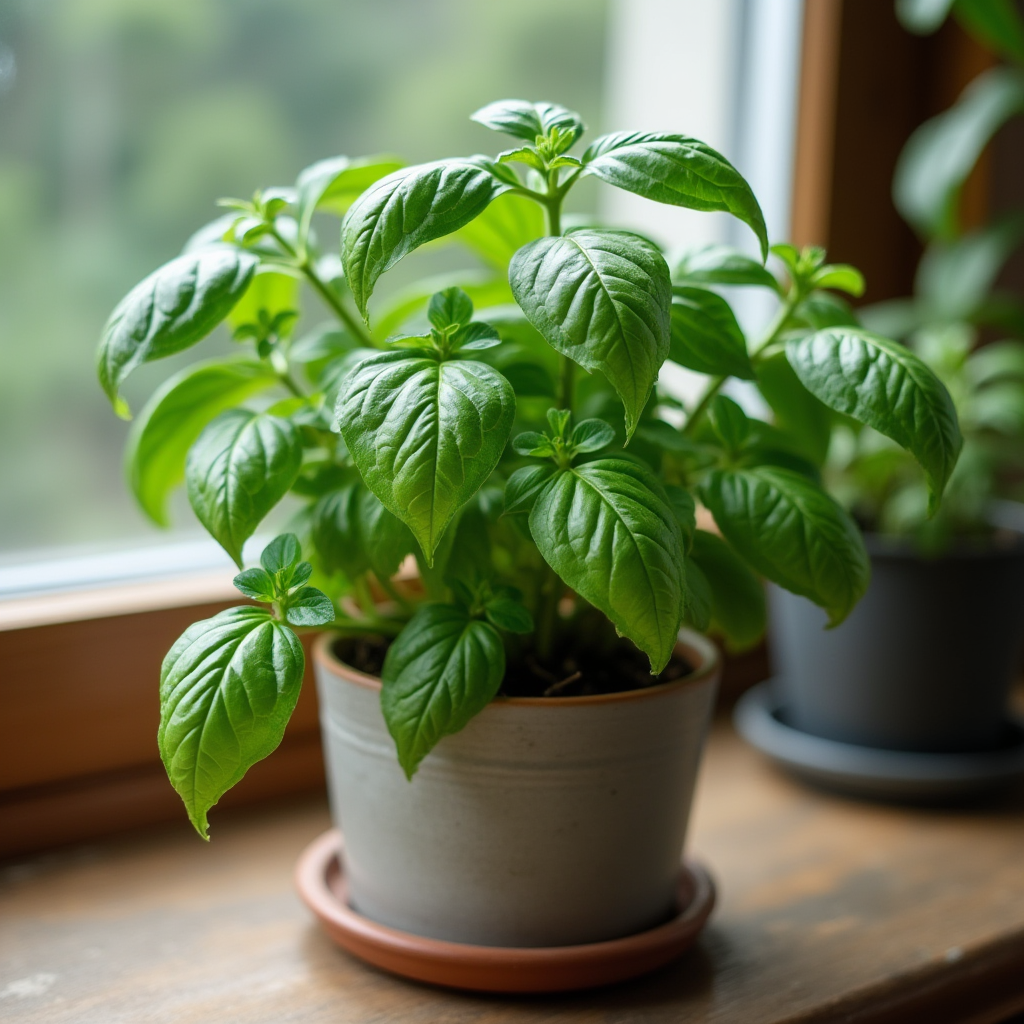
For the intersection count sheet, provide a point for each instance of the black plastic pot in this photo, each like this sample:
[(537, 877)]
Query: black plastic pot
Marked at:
[(925, 661)]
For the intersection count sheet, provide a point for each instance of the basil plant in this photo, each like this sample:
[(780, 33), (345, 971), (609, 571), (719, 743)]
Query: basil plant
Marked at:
[(959, 320), (505, 429)]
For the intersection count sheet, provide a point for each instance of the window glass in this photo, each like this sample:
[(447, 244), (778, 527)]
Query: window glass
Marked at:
[(121, 121)]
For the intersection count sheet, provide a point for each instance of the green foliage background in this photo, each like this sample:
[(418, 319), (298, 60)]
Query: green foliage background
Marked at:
[(97, 185)]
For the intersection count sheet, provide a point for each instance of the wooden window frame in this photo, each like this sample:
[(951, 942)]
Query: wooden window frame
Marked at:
[(79, 712)]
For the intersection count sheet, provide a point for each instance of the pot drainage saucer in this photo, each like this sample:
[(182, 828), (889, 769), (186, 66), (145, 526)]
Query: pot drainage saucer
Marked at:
[(320, 878), (872, 771)]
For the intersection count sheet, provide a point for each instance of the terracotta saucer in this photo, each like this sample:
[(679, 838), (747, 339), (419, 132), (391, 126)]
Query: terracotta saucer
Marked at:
[(321, 882)]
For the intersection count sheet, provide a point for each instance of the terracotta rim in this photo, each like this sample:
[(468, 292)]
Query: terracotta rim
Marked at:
[(319, 877), (707, 654)]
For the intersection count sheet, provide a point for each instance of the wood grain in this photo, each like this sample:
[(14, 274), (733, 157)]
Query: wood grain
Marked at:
[(816, 122), (831, 911)]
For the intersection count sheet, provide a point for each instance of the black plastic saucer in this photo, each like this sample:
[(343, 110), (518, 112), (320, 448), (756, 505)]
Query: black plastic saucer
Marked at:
[(874, 772)]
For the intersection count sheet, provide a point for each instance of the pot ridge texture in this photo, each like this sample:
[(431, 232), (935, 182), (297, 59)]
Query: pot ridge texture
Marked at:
[(545, 822)]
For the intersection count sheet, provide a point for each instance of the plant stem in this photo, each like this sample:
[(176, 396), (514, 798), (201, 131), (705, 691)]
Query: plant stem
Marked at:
[(345, 316), (772, 333), (355, 328), (289, 382), (553, 213), (547, 615), (565, 383), (360, 627), (552, 587), (552, 201)]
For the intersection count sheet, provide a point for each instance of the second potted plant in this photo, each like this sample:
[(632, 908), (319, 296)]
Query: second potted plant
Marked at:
[(512, 742), (910, 698)]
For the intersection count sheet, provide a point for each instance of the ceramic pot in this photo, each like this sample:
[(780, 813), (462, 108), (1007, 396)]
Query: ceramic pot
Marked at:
[(545, 822), (925, 661)]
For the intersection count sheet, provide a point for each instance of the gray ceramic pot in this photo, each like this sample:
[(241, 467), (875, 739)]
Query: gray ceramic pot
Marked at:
[(545, 822), (924, 662)]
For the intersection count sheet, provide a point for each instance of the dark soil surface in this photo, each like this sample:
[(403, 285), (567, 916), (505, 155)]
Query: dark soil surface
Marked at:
[(579, 670), (363, 653)]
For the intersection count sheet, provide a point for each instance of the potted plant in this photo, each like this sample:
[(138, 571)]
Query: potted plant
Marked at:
[(914, 688), (512, 741)]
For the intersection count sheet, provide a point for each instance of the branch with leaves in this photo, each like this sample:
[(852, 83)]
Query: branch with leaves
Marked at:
[(959, 321)]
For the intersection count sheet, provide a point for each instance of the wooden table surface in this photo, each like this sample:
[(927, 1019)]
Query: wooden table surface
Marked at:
[(829, 910)]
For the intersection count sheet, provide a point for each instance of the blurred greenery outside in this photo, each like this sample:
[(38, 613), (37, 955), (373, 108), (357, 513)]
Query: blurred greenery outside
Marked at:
[(121, 122)]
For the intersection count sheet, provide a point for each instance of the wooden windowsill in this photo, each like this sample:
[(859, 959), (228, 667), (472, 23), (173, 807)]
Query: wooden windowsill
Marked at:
[(118, 599), (829, 911)]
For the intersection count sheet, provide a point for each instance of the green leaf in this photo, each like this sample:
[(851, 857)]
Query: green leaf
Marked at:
[(240, 467), (353, 532), (227, 689), (677, 170), (525, 120), (443, 669), (840, 277), (791, 531), (321, 347), (823, 309), (334, 184), (510, 615), (298, 574), (999, 407), (995, 23), (524, 485), (729, 422), (532, 442), (954, 279), (591, 436), (705, 335), (998, 361), (529, 380), (697, 598), (922, 17), (174, 417), (269, 292), (737, 602), (883, 384), (215, 233), (401, 211), (449, 308), (608, 530), (256, 583), (940, 154), (797, 412), (425, 434), (498, 233), (685, 509), (602, 299), (170, 310), (411, 303), (309, 607), (281, 554), (663, 435), (522, 155), (721, 265)]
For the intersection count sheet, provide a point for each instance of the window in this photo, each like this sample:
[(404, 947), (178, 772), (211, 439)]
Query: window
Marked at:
[(122, 120)]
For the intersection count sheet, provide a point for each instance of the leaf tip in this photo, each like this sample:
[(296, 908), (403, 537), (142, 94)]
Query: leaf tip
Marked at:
[(199, 822), (410, 763), (837, 616)]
